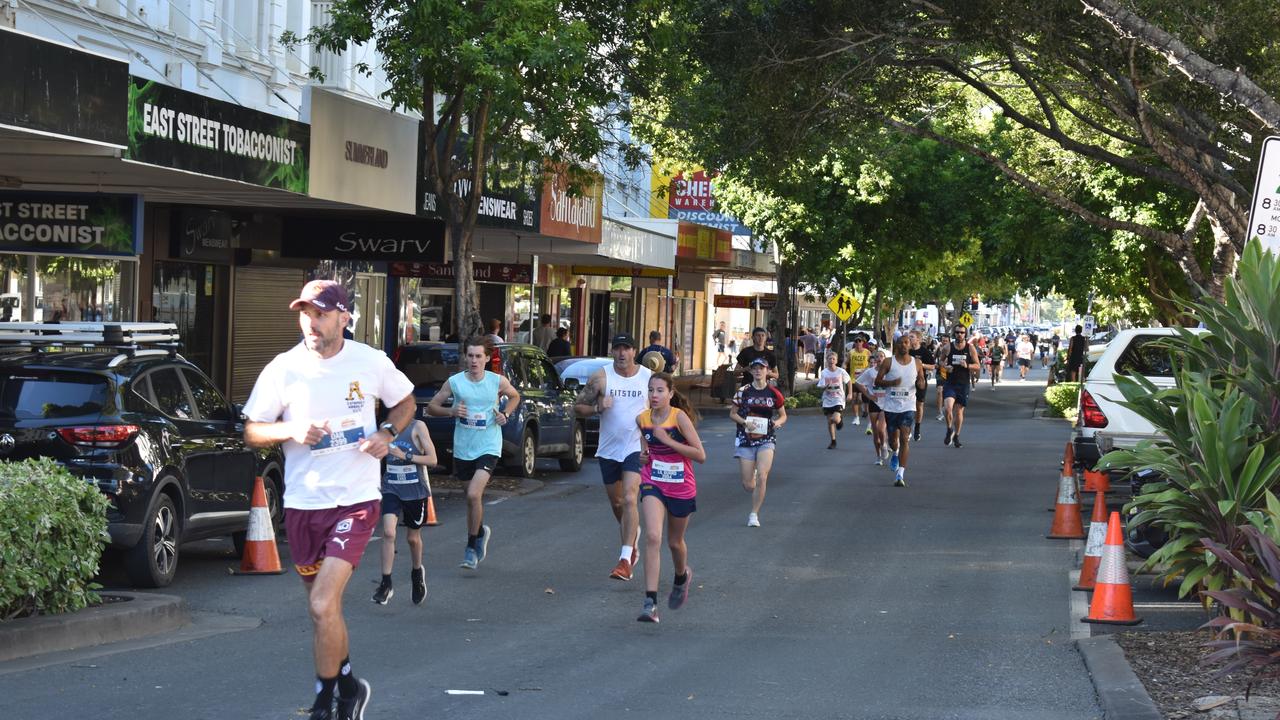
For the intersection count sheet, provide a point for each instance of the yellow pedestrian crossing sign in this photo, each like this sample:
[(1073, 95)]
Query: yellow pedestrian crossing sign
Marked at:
[(965, 319), (844, 304)]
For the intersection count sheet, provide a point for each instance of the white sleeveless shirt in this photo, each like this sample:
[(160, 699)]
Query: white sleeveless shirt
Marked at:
[(619, 434), (902, 397)]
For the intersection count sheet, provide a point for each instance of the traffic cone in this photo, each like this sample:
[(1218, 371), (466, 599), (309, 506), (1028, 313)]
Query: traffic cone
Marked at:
[(1095, 480), (260, 554), (1067, 524), (1112, 597), (1069, 460), (431, 506), (1093, 546)]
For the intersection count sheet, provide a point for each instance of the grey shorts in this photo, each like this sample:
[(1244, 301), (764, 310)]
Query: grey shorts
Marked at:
[(752, 453)]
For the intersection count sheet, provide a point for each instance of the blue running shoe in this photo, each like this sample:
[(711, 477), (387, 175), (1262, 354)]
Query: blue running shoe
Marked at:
[(469, 560), (893, 462), (482, 545)]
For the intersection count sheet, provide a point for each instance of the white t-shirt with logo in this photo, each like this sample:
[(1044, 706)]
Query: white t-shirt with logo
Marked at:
[(343, 391), (833, 384)]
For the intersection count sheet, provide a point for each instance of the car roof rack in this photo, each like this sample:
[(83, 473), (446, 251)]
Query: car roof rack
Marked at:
[(126, 337)]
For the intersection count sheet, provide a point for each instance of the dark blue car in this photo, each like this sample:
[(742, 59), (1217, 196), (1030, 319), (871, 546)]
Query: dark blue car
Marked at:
[(544, 425)]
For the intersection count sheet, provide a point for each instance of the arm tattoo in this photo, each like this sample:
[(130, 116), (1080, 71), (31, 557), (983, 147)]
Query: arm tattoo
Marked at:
[(588, 394)]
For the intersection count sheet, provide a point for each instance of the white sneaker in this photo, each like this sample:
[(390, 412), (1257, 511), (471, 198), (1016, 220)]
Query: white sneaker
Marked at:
[(856, 420), (753, 520), (940, 417)]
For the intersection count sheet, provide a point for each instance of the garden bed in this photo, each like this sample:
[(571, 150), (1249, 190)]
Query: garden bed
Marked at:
[(1167, 663)]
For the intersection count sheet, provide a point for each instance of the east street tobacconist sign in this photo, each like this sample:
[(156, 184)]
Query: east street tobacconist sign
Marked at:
[(178, 129), (70, 223)]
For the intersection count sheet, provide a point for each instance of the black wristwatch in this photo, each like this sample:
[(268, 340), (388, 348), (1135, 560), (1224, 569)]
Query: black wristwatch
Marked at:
[(389, 427)]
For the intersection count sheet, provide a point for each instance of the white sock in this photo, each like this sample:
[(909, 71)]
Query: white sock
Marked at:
[(626, 553), (901, 472)]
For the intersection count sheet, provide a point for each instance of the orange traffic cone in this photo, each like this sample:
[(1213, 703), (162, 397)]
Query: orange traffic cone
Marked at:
[(1095, 480), (1069, 460), (1093, 546), (260, 554), (431, 506), (1112, 597), (1066, 512)]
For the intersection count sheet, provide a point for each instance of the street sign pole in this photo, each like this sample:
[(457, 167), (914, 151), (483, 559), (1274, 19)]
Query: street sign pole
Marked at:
[(1264, 214)]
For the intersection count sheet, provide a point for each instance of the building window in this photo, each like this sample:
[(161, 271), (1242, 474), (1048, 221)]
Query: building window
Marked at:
[(57, 288)]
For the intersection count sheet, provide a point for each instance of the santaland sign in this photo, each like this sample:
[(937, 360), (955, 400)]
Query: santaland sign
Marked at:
[(70, 223), (179, 129)]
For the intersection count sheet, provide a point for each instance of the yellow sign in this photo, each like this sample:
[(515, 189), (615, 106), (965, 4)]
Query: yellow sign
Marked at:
[(965, 319), (844, 304)]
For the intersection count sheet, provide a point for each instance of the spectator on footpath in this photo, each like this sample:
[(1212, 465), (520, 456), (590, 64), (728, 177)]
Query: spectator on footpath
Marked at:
[(559, 347), (543, 336), (719, 338), (755, 350), (494, 326), (655, 345), (1075, 354), (809, 344)]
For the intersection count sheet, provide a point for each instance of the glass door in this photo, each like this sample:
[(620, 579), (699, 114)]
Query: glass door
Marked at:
[(193, 297)]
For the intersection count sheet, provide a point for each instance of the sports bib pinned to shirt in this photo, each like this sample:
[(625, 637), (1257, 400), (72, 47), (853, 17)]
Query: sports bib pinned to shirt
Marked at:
[(345, 433), (666, 472), (402, 474), (474, 421)]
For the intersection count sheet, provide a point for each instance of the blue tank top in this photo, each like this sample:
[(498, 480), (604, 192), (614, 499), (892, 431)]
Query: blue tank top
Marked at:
[(401, 477), (478, 433)]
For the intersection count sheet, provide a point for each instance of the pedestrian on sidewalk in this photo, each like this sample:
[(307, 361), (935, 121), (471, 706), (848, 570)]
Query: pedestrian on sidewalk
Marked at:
[(668, 491), (319, 401), (560, 347), (545, 333), (809, 345), (962, 360), (866, 386), (1076, 350), (757, 349), (495, 325), (901, 376), (758, 409), (405, 492), (656, 346), (836, 391), (618, 392), (479, 414)]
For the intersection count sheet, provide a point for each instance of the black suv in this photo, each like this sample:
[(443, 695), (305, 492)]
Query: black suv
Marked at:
[(544, 425), (147, 426)]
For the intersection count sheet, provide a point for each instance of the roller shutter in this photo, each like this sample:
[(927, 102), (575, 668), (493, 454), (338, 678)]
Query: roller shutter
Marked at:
[(263, 326)]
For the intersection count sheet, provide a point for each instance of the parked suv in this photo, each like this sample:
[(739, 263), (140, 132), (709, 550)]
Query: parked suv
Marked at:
[(142, 423), (544, 425)]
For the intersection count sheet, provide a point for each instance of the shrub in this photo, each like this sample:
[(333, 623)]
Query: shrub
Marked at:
[(53, 527), (1062, 399), (1247, 635)]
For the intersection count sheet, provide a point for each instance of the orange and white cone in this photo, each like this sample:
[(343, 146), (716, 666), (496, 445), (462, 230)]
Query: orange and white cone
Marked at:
[(1112, 597), (260, 554), (1095, 480), (431, 506), (1067, 524), (1093, 546)]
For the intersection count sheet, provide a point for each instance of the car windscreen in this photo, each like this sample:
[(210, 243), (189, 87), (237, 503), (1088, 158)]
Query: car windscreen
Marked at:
[(28, 395), (1146, 356)]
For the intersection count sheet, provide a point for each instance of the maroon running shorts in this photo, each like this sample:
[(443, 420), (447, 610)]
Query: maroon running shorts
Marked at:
[(340, 532)]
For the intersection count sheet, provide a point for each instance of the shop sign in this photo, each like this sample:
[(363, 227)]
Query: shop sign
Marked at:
[(573, 217), (733, 301), (357, 238), (70, 223), (697, 242), (509, 191), (52, 88), (609, 271), (361, 154), (690, 197), (482, 271), (182, 130), (205, 235)]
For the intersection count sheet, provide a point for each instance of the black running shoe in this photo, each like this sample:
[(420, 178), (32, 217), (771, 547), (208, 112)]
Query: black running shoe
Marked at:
[(353, 709), (947, 440), (418, 577), (383, 594), (832, 445), (321, 713), (955, 441), (916, 435)]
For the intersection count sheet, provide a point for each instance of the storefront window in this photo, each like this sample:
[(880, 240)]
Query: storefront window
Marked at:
[(426, 311), (58, 288)]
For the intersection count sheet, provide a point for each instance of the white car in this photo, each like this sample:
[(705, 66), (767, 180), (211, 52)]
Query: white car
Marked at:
[(1102, 423)]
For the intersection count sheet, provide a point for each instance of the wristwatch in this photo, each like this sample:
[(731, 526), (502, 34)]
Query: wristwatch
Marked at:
[(389, 427)]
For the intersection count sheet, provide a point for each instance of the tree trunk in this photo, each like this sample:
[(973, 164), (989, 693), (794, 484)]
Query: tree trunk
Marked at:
[(780, 319), (1223, 263), (466, 303)]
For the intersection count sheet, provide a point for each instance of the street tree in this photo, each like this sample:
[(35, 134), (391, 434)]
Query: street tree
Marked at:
[(506, 89)]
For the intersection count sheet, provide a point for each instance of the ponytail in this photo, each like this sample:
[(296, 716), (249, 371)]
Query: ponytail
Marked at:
[(678, 401)]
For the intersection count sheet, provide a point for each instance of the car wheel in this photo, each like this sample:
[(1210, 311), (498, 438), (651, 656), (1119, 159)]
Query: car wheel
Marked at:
[(577, 448), (275, 501), (154, 560), (527, 460)]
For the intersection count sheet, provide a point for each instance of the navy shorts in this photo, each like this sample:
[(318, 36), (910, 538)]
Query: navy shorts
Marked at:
[(895, 420), (676, 507), (467, 469), (414, 512), (959, 392), (611, 470)]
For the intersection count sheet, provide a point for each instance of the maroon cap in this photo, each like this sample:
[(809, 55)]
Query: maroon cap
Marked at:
[(324, 294)]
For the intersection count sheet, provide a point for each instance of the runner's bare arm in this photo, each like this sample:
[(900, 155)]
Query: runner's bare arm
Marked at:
[(973, 360), (644, 444), (400, 415), (513, 400), (692, 447), (884, 370), (436, 407), (267, 434), (782, 417), (422, 440), (585, 404), (921, 383)]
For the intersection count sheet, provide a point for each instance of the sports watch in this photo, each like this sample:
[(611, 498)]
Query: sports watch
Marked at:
[(389, 427)]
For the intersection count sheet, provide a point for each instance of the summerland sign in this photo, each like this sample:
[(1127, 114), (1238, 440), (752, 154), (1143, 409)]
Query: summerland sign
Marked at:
[(361, 154), (346, 238)]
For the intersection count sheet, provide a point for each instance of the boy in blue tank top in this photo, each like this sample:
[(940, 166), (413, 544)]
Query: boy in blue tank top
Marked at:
[(479, 415)]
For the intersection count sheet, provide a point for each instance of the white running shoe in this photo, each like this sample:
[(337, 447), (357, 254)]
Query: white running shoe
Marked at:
[(856, 420), (753, 520), (940, 418)]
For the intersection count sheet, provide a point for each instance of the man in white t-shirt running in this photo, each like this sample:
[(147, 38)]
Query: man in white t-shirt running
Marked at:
[(319, 400), (619, 392)]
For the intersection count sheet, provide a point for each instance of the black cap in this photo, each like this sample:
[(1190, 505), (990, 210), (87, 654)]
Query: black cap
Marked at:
[(623, 339), (759, 330)]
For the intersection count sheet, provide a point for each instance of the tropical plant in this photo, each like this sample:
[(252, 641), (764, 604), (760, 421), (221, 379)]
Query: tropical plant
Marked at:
[(1247, 635)]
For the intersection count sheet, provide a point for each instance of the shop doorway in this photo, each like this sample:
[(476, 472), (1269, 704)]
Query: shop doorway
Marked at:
[(195, 298), (610, 315), (366, 320)]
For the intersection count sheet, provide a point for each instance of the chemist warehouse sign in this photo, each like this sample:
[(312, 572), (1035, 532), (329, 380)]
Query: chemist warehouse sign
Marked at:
[(178, 129), (70, 223)]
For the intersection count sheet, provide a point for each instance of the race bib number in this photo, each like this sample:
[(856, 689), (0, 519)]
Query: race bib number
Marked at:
[(833, 392), (960, 359), (666, 472), (402, 474), (900, 393), (756, 425), (345, 433), (474, 421)]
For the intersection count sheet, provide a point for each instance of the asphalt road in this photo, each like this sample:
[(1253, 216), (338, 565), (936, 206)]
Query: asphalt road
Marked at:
[(854, 600)]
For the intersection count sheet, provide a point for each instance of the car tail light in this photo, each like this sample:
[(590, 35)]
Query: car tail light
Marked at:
[(99, 436), (1091, 414), (495, 361)]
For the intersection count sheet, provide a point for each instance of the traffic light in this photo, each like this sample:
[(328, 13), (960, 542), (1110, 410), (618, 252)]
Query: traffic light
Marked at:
[(973, 302)]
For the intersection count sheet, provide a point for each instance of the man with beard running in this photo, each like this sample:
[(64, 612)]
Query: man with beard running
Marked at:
[(961, 360), (619, 393), (921, 351)]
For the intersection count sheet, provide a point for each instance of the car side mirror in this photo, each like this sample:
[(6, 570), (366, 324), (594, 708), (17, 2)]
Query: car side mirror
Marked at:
[(571, 384), (237, 411)]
